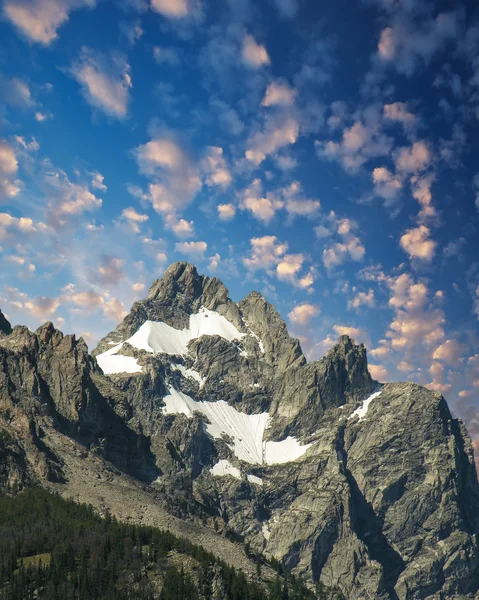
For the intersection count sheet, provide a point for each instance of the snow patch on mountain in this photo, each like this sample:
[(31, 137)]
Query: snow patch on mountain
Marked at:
[(244, 431), (254, 479), (111, 362), (224, 467), (158, 337), (191, 373), (361, 412), (284, 451)]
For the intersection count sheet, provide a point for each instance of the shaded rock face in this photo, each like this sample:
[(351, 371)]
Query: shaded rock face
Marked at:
[(381, 500), (5, 327), (48, 380)]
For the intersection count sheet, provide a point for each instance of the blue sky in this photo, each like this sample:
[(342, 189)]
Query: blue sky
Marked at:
[(322, 153)]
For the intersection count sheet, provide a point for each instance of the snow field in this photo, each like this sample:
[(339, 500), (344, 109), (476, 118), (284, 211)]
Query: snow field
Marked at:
[(191, 373), (224, 467), (111, 362), (361, 412), (158, 337), (245, 431)]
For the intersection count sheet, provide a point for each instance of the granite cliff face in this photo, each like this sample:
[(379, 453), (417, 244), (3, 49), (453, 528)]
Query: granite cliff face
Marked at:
[(203, 416)]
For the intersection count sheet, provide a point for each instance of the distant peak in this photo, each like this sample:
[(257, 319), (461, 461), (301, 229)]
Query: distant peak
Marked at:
[(346, 342), (183, 274), (254, 295), (5, 326), (47, 332), (176, 269)]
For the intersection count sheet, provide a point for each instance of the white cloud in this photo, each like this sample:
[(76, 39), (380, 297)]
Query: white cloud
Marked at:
[(97, 181), (15, 92), (416, 321), (350, 248), (263, 207), (109, 270), (303, 313), (413, 159), (353, 332), (253, 54), (279, 93), (360, 142), (279, 131), (421, 191), (10, 186), (289, 267), (215, 167), (195, 250), (322, 232), (182, 228), (295, 202), (133, 218), (266, 251), (39, 20), (105, 81), (417, 243), (176, 178), (450, 352), (67, 200), (269, 254), (363, 299), (399, 112), (176, 9), (114, 309), (226, 212), (14, 227), (90, 300), (409, 42), (379, 373), (380, 352), (386, 185)]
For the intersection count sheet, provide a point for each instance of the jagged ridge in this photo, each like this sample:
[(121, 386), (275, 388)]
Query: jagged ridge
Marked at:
[(382, 503)]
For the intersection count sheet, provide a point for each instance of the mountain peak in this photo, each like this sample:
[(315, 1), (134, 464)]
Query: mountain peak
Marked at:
[(5, 327)]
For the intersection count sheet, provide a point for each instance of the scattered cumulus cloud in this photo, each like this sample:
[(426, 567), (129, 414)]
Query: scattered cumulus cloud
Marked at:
[(417, 243), (215, 168), (269, 254), (195, 250), (362, 299), (105, 81), (278, 93), (349, 248), (39, 20), (254, 55), (360, 142), (175, 176), (303, 313), (262, 207), (10, 185), (278, 131), (410, 43), (226, 212), (450, 352), (177, 10)]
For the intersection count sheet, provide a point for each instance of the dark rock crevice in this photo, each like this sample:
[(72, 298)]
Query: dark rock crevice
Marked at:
[(368, 526)]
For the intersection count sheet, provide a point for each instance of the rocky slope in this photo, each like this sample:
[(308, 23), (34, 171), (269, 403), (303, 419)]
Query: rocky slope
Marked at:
[(202, 414)]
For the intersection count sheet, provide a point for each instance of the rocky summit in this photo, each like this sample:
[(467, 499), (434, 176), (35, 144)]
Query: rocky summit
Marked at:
[(203, 417)]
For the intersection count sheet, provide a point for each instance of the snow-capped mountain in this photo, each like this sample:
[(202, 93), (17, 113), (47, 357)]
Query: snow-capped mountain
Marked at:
[(203, 416)]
